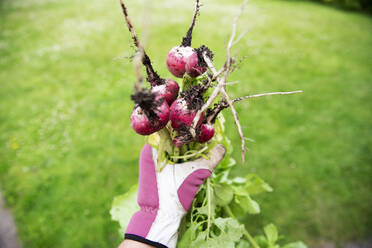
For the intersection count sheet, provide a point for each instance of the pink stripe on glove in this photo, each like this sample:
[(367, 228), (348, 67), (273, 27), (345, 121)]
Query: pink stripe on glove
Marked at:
[(147, 198)]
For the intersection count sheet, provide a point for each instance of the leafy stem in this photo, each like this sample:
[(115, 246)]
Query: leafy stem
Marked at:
[(209, 206), (246, 233), (192, 153)]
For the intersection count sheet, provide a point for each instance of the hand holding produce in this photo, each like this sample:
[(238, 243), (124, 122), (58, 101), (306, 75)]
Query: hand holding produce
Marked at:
[(165, 197), (185, 129)]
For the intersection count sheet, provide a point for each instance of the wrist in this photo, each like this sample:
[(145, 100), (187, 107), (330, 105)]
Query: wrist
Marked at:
[(155, 227), (165, 228), (128, 243)]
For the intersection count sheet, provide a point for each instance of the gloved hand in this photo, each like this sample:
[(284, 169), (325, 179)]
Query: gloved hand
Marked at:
[(165, 197)]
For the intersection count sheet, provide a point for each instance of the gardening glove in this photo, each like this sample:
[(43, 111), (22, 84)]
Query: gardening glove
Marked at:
[(165, 197)]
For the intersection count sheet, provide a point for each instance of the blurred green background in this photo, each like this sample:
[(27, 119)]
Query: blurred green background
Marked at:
[(357, 5), (67, 147)]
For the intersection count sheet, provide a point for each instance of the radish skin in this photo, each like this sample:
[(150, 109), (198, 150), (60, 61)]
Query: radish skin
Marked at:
[(143, 125), (193, 69), (206, 133), (168, 91), (180, 115), (177, 142), (176, 60)]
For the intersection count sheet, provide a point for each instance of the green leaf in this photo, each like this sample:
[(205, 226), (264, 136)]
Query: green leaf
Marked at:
[(249, 205), (261, 241), (200, 196), (222, 175), (243, 203), (202, 210), (200, 241), (239, 180), (223, 194), (123, 207), (255, 185), (165, 145), (211, 203), (236, 209), (231, 227), (228, 162), (187, 82), (243, 244), (188, 238), (230, 232), (192, 237), (298, 244), (240, 190), (185, 240), (227, 232), (271, 233), (220, 136)]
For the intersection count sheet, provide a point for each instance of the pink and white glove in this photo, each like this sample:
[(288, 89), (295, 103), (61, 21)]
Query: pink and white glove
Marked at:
[(165, 197)]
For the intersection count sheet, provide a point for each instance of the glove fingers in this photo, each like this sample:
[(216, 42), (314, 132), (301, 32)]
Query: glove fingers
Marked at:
[(183, 170), (188, 189), (214, 158), (189, 176), (216, 155)]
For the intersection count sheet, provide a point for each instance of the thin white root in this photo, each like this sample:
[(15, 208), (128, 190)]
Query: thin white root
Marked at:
[(232, 41), (233, 82), (237, 64), (237, 123), (221, 77), (241, 36), (211, 98), (249, 139), (138, 68), (267, 94)]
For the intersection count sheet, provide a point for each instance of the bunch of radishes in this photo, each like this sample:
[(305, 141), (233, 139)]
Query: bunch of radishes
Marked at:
[(183, 118), (183, 122), (163, 103), (155, 108)]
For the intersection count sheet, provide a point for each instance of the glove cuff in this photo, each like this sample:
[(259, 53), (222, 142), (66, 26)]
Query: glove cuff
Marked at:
[(143, 240), (141, 222), (155, 227)]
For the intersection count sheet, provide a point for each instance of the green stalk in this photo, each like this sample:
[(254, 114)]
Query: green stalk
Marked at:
[(163, 147), (209, 207), (161, 151), (176, 152), (196, 146), (189, 155), (246, 233), (183, 149)]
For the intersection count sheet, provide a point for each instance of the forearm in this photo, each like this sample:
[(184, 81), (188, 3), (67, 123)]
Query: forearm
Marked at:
[(133, 244)]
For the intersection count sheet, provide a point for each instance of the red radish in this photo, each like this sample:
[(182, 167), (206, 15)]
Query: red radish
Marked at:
[(206, 132), (178, 142), (181, 115), (149, 114), (143, 125), (176, 60), (183, 137), (168, 90), (193, 68)]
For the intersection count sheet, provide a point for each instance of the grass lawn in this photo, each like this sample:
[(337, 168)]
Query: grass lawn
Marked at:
[(67, 147)]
